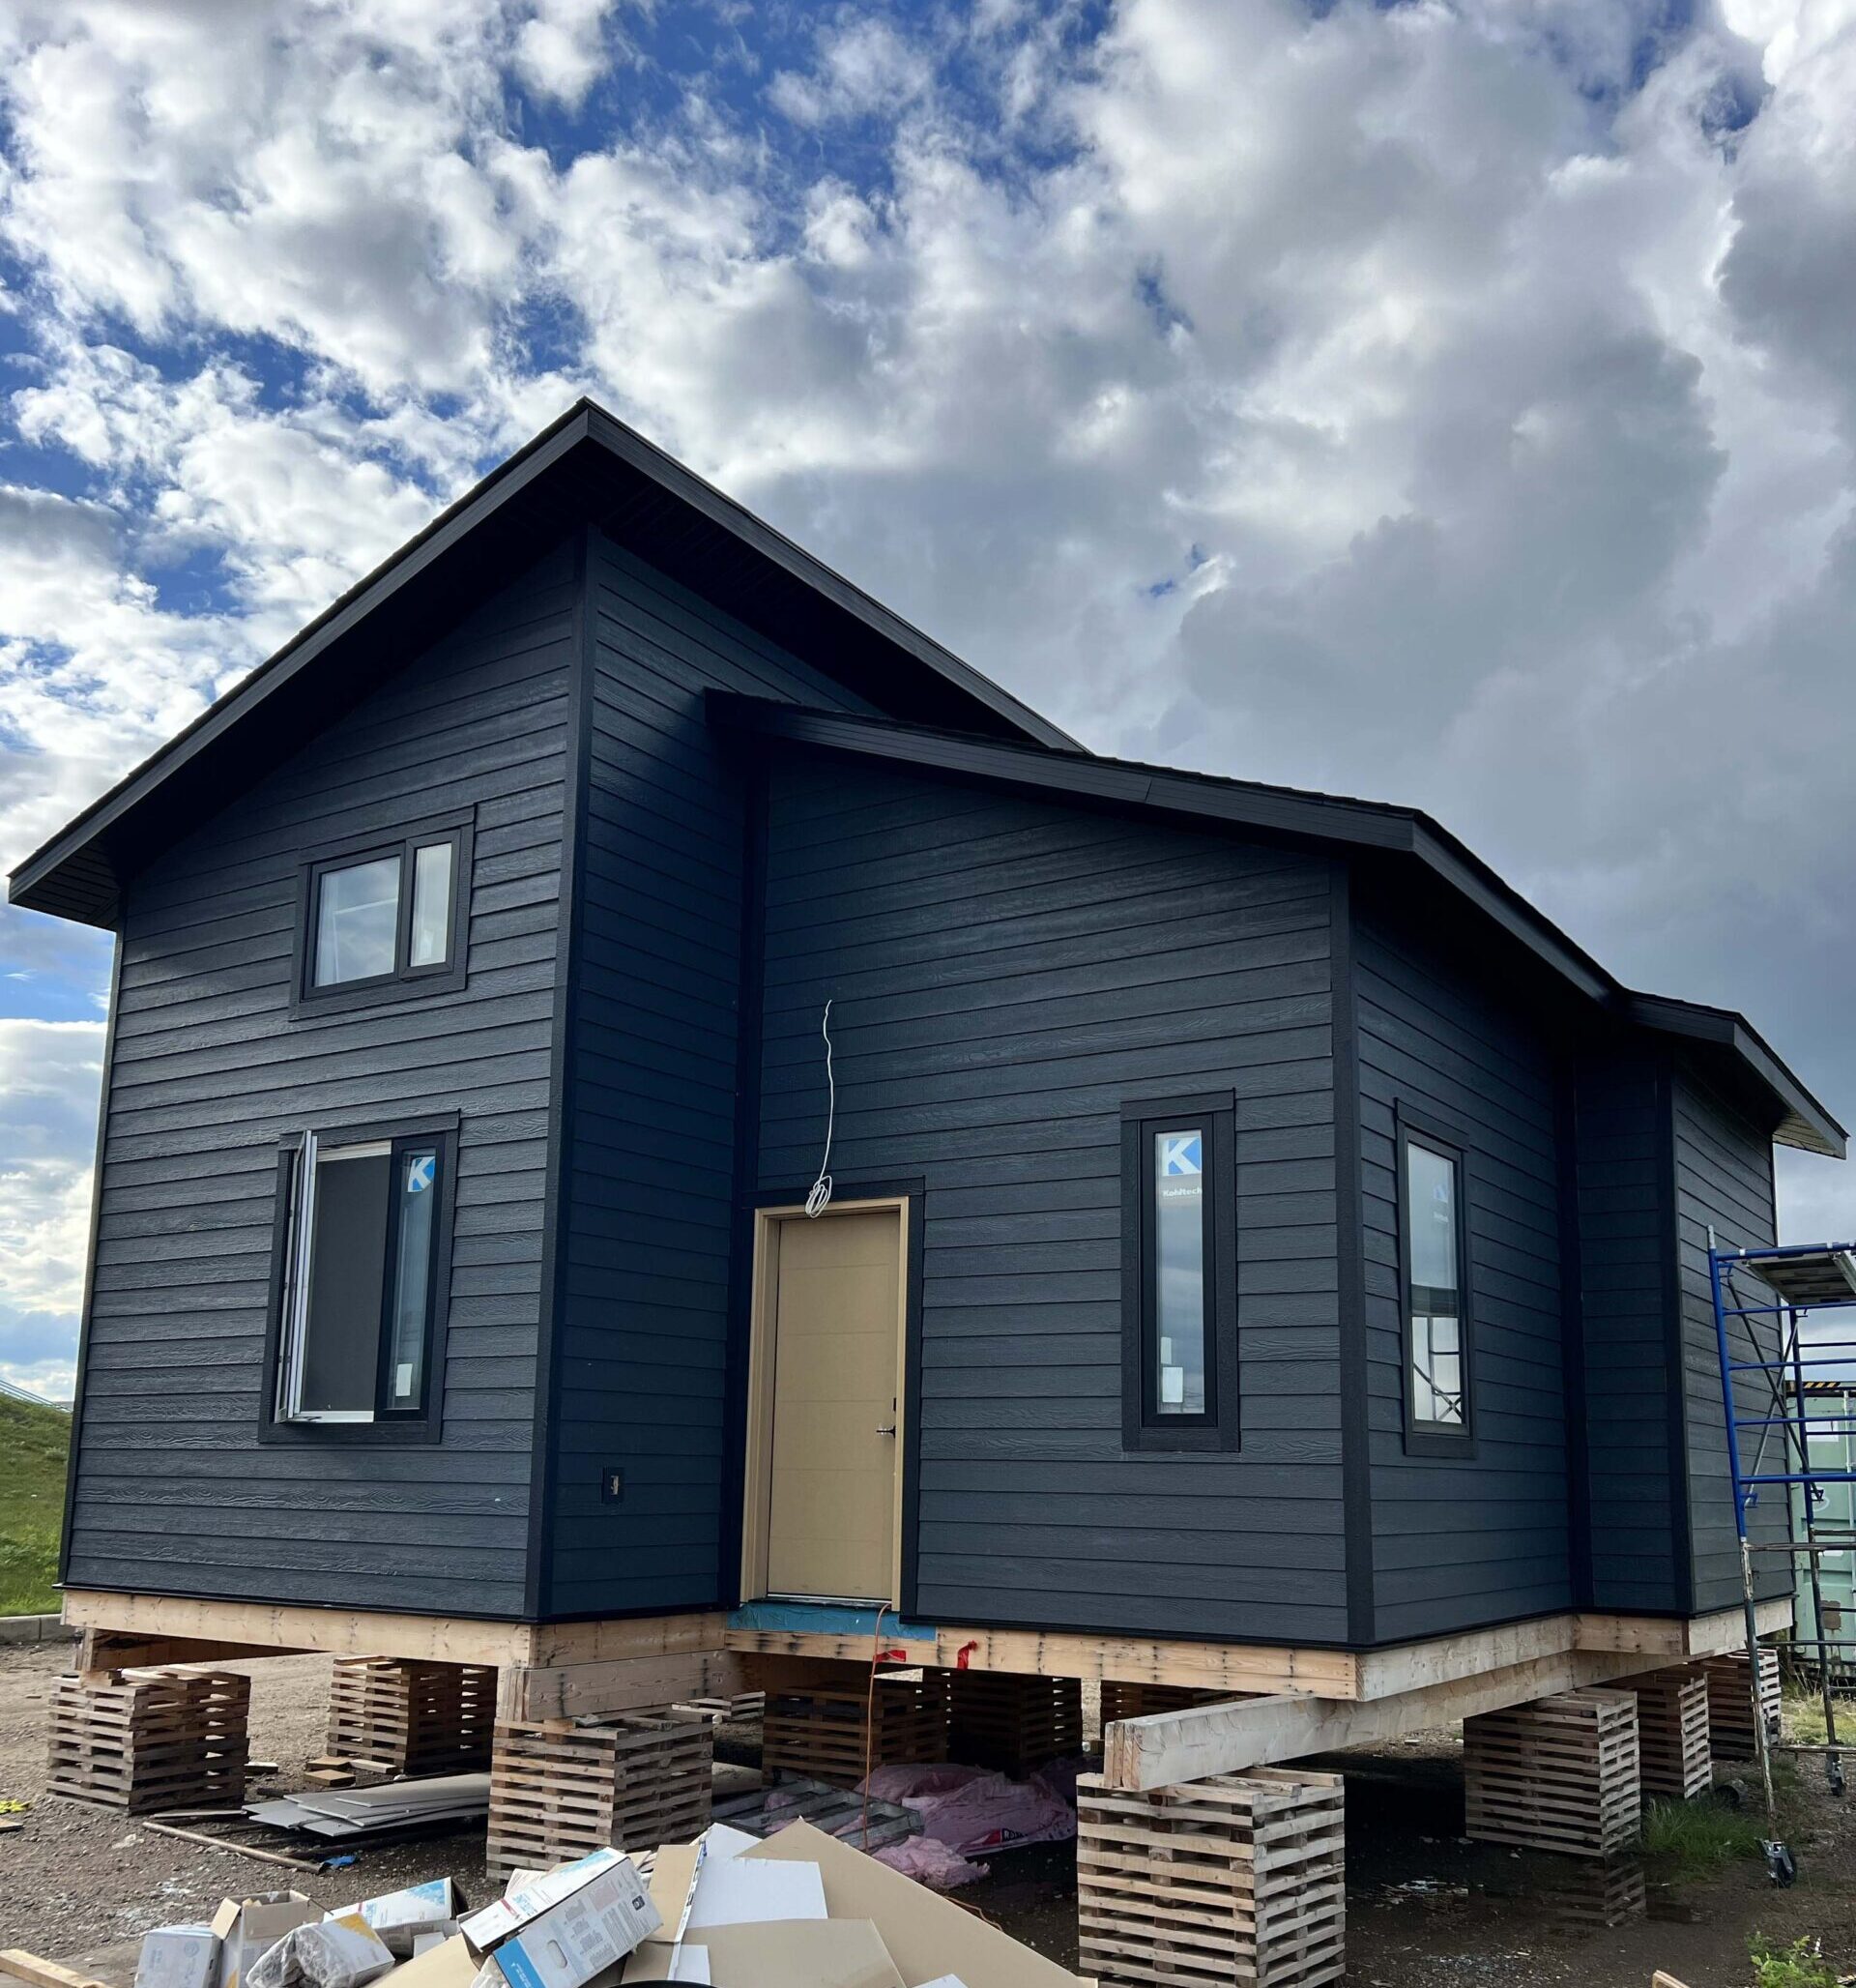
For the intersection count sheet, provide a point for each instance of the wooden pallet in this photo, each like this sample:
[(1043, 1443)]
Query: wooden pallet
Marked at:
[(561, 1788), (1731, 1734), (1237, 1879), (1005, 1720), (169, 1737), (743, 1707), (862, 1821), (1673, 1734), (1561, 1774), (836, 1733), (404, 1717)]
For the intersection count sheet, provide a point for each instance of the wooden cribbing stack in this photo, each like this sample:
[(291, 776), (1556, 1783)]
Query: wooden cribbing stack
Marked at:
[(1241, 1878), (561, 1788), (1125, 1699), (828, 1730), (1015, 1723), (169, 1737), (403, 1717), (1561, 1774), (1731, 1702), (1673, 1734)]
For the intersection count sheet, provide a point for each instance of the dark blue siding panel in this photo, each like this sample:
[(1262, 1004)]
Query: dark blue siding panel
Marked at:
[(651, 1071), (1631, 1431), (1463, 1542), (1006, 972), (174, 1491), (1723, 1181)]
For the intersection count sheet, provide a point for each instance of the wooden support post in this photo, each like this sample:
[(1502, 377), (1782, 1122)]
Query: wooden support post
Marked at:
[(628, 1684), (1238, 1735), (1561, 1774)]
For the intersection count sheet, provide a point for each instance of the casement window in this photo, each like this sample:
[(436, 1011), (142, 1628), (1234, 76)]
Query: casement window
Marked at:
[(363, 1246), (384, 920), (1435, 1286), (1179, 1368)]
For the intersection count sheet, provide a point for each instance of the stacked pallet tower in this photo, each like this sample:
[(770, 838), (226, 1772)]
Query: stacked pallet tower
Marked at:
[(837, 1731), (398, 1717), (1239, 1878), (561, 1788), (1125, 1699), (1673, 1734), (1014, 1723), (1730, 1707), (169, 1738), (1561, 1774)]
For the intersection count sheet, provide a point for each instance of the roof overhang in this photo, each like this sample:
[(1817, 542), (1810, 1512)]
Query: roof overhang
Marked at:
[(587, 468), (1362, 824)]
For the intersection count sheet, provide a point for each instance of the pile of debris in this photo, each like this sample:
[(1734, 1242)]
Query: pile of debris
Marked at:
[(800, 1909)]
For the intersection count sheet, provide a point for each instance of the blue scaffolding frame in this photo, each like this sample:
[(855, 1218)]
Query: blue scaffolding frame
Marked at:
[(1795, 1282)]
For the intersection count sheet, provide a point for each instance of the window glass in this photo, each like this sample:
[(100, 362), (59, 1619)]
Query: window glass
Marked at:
[(431, 941), (347, 1260), (417, 1189), (357, 922), (1178, 1272), (1434, 1239)]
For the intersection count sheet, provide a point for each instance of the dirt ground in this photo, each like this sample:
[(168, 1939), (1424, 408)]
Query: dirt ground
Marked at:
[(1423, 1907)]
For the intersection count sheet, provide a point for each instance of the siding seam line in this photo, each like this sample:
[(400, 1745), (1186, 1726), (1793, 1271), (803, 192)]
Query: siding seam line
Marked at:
[(578, 766), (1351, 1250)]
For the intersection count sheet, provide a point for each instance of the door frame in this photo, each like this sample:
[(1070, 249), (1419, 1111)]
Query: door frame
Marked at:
[(756, 1475)]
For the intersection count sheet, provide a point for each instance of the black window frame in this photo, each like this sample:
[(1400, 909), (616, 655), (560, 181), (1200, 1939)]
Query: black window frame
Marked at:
[(390, 1425), (1444, 1142), (1213, 1115), (406, 982)]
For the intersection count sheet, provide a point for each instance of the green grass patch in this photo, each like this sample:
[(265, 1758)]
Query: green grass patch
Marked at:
[(1801, 1964), (1689, 1839), (34, 1442)]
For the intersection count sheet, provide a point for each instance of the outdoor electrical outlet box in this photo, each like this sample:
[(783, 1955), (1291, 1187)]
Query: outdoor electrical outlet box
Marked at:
[(612, 1485)]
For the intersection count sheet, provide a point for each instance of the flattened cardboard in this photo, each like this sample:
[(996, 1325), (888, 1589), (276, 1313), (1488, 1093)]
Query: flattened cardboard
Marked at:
[(798, 1953), (926, 1936), (451, 1965)]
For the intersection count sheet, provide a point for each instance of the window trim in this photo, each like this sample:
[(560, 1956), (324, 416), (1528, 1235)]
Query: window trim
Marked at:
[(406, 982), (1213, 1114), (402, 1426), (1445, 1141)]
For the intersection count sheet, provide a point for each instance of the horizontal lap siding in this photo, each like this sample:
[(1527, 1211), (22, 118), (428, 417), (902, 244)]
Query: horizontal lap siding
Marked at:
[(1632, 1439), (642, 1353), (1724, 1181), (174, 1491), (1459, 1542), (1005, 973)]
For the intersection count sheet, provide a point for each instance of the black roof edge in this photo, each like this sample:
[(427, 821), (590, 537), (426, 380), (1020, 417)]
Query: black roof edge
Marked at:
[(34, 881), (1366, 825)]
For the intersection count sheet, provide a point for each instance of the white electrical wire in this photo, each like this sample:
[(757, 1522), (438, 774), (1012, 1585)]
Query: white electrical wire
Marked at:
[(819, 1198)]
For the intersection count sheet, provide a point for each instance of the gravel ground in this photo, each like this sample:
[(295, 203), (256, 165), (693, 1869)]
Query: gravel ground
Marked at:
[(1425, 1908)]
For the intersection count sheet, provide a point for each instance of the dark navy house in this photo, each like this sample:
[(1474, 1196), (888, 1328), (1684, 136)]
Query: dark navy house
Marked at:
[(1249, 1219)]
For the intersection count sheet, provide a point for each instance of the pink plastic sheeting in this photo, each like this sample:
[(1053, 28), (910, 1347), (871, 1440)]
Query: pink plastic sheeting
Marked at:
[(929, 1862), (972, 1810)]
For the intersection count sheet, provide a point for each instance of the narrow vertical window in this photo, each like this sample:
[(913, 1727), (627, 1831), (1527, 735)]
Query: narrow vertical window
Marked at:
[(1179, 1272), (1179, 1275), (1435, 1316), (431, 937)]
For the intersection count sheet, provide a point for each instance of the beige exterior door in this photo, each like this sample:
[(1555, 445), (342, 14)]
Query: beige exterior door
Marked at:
[(833, 1324)]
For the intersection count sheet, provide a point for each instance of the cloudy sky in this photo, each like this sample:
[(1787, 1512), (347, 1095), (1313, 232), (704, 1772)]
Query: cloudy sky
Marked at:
[(1448, 403)]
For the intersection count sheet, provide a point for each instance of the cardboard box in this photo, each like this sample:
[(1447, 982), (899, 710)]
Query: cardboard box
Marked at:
[(926, 1935), (418, 1905), (573, 1923), (179, 1957), (246, 1927)]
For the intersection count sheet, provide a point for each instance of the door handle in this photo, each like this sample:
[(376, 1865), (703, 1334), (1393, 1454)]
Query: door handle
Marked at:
[(885, 1429)]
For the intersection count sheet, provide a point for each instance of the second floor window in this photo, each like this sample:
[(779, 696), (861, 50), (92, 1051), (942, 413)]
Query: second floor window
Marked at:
[(388, 919)]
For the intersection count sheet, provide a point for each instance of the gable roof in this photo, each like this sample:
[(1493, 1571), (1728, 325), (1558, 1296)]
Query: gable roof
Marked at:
[(587, 466), (1326, 818)]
